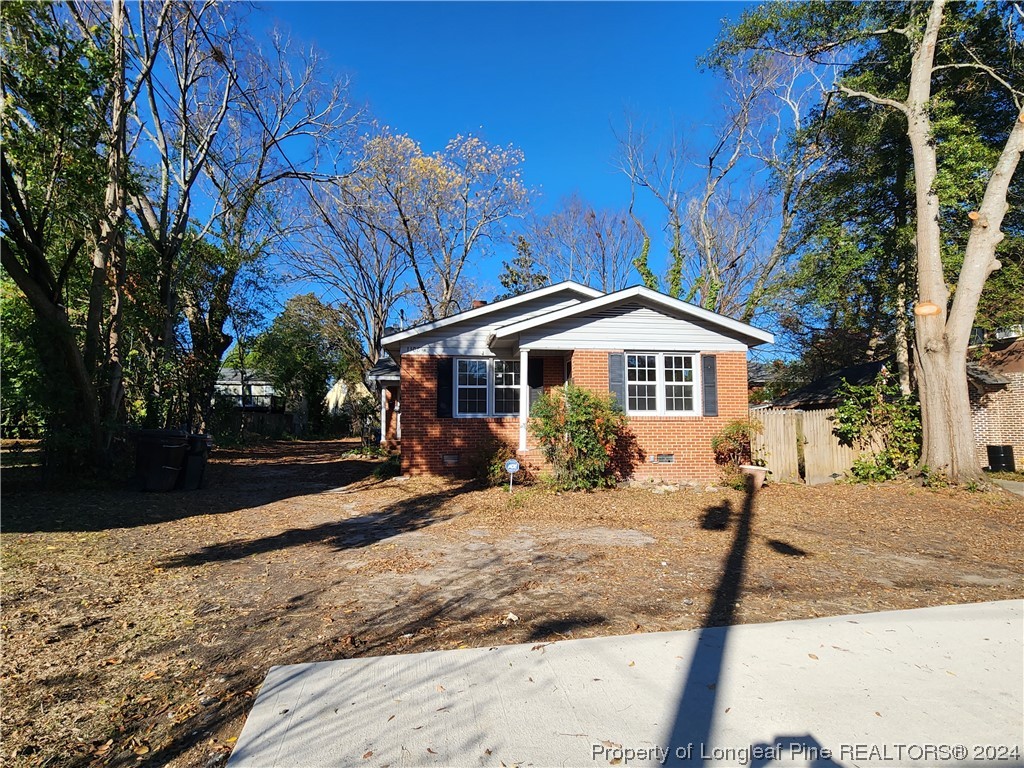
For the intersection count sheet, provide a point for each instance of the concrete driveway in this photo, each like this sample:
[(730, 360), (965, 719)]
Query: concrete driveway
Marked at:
[(928, 687)]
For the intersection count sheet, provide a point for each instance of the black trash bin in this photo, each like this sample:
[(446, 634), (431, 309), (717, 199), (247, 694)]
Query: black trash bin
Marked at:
[(191, 477), (159, 455), (1000, 458)]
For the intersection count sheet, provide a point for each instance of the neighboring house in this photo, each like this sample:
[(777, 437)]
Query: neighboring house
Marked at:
[(247, 391), (997, 399), (996, 390), (824, 393), (385, 374), (678, 371)]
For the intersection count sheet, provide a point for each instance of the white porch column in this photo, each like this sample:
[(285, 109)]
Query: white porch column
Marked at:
[(383, 416), (524, 396)]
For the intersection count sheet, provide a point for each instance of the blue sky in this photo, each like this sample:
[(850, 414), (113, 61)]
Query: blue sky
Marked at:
[(551, 78)]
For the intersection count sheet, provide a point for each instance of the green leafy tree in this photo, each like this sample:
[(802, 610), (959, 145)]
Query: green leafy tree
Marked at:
[(522, 274), (52, 165), (910, 59), (305, 347)]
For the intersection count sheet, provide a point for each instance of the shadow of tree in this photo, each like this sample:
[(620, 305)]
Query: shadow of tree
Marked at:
[(352, 533), (236, 479), (626, 455), (560, 628)]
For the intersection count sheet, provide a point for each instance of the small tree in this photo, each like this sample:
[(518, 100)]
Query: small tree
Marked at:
[(733, 447), (577, 430), (879, 416)]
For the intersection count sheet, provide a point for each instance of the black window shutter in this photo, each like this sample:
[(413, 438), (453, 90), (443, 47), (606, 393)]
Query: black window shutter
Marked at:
[(445, 389), (709, 379), (535, 378), (617, 378)]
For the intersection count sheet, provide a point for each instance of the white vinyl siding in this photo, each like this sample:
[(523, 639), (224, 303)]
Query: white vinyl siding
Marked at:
[(630, 326), (470, 337), (662, 384), (486, 387)]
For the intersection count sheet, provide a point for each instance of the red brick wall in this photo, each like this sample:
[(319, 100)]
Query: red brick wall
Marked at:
[(426, 438), (687, 438)]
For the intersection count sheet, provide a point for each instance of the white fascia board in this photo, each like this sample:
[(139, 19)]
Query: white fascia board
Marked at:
[(488, 308), (639, 292)]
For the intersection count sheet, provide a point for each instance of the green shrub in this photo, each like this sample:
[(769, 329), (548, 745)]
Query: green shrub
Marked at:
[(577, 430), (488, 465), (732, 447), (880, 418), (390, 467)]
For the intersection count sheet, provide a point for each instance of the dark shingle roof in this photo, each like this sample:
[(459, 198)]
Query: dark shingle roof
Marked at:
[(823, 393), (386, 368)]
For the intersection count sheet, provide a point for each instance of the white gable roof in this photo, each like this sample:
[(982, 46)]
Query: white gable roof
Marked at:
[(646, 295), (569, 286)]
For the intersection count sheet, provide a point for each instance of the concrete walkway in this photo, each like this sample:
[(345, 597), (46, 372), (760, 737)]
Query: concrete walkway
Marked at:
[(928, 687), (1013, 486)]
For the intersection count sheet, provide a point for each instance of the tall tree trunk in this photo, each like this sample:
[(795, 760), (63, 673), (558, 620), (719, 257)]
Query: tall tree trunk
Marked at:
[(110, 248), (947, 441), (941, 339), (903, 268)]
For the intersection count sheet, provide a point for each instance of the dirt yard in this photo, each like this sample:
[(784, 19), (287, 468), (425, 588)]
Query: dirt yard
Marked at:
[(138, 627)]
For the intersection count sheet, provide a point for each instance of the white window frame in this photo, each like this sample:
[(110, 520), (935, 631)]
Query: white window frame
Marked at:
[(494, 386), (486, 388), (491, 399), (661, 384)]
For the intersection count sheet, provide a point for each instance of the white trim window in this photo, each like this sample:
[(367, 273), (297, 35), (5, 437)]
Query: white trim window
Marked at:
[(680, 396), (662, 384), (485, 387), (471, 387), (642, 383), (506, 387)]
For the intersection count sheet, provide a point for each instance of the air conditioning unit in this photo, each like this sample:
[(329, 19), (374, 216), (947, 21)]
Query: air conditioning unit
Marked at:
[(1010, 332)]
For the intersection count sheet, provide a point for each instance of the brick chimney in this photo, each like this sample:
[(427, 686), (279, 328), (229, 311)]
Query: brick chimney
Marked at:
[(477, 303)]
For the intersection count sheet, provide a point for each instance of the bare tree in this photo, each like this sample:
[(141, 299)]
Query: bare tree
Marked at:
[(592, 246), (348, 249), (731, 233), (440, 209), (659, 168), (188, 94), (289, 120)]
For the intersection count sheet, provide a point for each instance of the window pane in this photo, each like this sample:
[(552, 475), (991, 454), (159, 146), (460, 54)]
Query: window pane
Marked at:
[(678, 368), (506, 400), (472, 400), (642, 397), (641, 368), (506, 373), (679, 397), (473, 373)]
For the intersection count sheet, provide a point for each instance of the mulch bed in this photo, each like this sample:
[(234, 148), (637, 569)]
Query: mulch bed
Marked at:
[(138, 627)]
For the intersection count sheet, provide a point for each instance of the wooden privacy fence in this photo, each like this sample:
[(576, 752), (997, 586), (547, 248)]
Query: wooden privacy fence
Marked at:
[(798, 446)]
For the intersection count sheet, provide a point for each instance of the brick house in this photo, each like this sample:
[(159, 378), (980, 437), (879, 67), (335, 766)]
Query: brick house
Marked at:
[(997, 399), (467, 381)]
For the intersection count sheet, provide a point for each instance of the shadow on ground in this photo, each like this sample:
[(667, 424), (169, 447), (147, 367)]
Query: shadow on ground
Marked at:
[(410, 514), (237, 478)]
